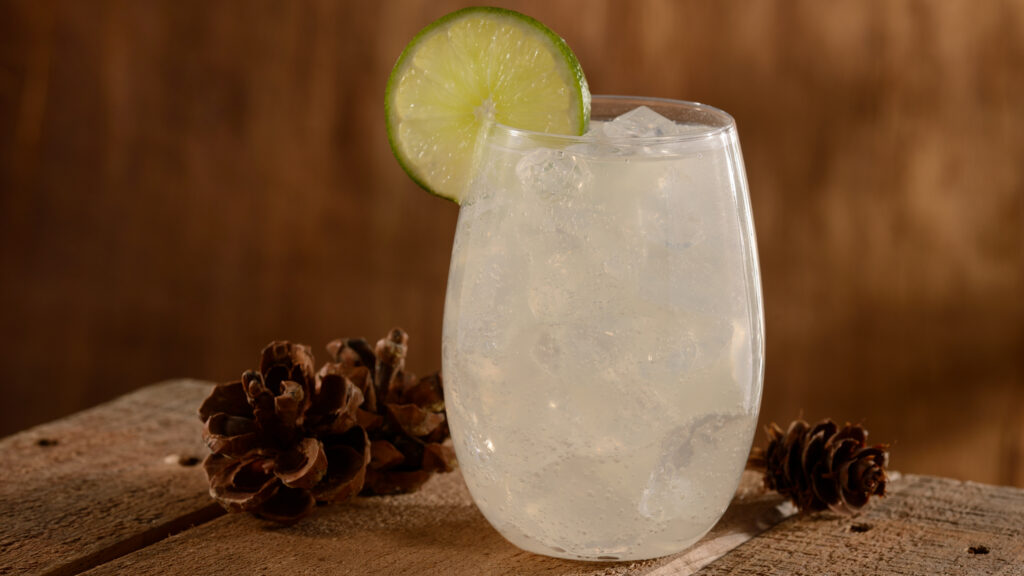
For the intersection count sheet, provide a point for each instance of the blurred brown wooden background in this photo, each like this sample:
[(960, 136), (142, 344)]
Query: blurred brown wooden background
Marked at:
[(183, 181)]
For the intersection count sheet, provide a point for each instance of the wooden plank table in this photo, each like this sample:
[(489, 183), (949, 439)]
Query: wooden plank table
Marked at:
[(117, 490)]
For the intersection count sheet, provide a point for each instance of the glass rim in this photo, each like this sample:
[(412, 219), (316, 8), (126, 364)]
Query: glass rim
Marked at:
[(726, 123)]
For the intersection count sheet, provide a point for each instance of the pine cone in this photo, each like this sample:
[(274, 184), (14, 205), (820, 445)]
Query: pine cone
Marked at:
[(822, 467), (282, 439), (404, 416)]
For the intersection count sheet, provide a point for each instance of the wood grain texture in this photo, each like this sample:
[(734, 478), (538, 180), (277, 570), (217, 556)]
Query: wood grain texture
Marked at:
[(89, 488), (933, 526), (104, 488), (183, 181), (437, 530), (104, 492)]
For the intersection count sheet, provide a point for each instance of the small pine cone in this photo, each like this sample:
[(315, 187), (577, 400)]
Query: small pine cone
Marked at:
[(823, 467), (282, 439)]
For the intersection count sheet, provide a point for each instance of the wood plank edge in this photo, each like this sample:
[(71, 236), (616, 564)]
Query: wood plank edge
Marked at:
[(138, 541), (186, 385)]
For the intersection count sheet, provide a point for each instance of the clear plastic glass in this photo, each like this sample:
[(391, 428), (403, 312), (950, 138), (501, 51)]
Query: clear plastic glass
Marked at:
[(603, 332)]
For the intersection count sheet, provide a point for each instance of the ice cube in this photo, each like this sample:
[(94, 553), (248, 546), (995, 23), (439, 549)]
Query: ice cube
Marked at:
[(699, 462), (640, 122), (547, 352), (554, 282), (552, 172)]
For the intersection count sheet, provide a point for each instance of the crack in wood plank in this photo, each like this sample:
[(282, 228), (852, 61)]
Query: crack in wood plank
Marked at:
[(437, 530), (103, 483), (134, 542)]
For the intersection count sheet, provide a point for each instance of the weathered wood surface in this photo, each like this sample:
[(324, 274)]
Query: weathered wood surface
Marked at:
[(104, 492), (91, 487), (98, 489), (437, 531), (928, 526)]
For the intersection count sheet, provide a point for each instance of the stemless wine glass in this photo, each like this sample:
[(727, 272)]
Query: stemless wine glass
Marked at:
[(603, 330)]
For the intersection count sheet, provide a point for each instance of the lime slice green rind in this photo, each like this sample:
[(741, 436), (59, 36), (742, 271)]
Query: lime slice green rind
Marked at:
[(468, 67)]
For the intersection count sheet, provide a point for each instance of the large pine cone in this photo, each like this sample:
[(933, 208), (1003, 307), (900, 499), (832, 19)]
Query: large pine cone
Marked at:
[(403, 415), (283, 438), (823, 467)]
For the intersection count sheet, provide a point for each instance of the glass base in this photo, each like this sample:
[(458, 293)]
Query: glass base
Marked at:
[(642, 551)]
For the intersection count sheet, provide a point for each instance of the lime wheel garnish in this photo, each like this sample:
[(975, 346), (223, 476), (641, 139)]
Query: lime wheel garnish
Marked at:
[(470, 67)]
